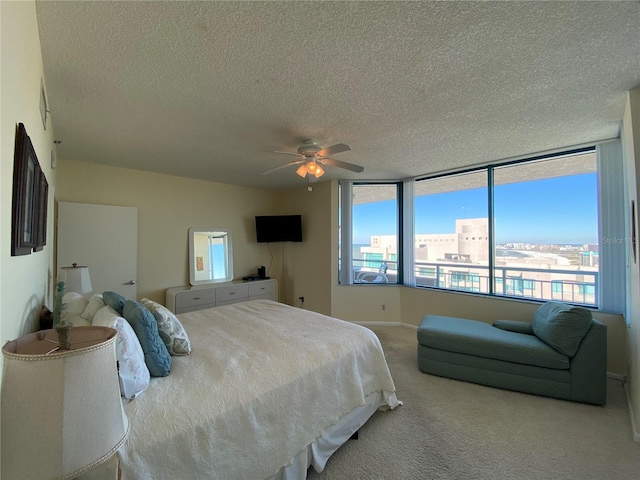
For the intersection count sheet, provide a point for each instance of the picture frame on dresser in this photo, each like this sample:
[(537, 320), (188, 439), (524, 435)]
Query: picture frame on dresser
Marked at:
[(26, 183)]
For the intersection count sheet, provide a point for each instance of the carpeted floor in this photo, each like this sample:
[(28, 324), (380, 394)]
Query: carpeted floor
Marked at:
[(456, 430)]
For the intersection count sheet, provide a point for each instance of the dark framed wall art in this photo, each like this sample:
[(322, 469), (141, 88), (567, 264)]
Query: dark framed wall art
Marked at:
[(41, 219), (30, 198)]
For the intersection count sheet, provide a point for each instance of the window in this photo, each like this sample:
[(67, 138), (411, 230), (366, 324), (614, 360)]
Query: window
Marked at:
[(451, 215), (546, 225), (373, 227), (528, 228)]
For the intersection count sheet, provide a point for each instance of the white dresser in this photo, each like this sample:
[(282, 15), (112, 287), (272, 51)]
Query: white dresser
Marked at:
[(188, 299)]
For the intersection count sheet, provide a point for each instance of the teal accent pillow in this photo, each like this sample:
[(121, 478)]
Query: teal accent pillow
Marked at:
[(156, 355), (561, 326), (115, 301)]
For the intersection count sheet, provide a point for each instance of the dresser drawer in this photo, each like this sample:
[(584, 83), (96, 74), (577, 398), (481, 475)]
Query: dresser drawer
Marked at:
[(232, 292), (261, 288), (194, 298)]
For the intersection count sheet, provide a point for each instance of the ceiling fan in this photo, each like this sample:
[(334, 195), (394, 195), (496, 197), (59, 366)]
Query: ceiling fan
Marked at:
[(312, 156)]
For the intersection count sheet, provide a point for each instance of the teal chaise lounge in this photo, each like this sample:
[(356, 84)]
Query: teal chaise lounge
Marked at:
[(562, 353)]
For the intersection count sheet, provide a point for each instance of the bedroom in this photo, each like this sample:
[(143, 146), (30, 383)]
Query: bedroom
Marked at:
[(167, 201)]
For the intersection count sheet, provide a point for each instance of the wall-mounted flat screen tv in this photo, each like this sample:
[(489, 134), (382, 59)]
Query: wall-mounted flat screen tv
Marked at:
[(278, 228)]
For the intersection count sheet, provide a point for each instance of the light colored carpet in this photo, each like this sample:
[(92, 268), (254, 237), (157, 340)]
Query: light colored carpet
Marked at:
[(449, 429)]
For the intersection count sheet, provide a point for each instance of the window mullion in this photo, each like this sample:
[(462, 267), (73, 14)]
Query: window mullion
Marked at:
[(491, 232), (408, 233)]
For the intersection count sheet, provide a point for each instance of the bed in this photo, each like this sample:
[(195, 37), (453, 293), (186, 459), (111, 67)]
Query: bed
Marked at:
[(267, 391)]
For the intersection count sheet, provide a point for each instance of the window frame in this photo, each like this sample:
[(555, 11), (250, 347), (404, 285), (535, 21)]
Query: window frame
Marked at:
[(496, 287), (346, 275)]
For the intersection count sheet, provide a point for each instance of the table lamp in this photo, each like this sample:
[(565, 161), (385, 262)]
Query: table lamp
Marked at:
[(76, 279), (61, 409)]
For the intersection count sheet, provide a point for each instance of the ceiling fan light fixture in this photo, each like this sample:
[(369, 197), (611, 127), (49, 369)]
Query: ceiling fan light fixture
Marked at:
[(302, 171), (312, 167), (310, 155)]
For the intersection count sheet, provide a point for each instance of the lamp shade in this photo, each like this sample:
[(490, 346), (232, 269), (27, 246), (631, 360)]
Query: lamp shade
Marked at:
[(76, 279), (61, 410)]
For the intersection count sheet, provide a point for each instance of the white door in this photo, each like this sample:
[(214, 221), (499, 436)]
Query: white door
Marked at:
[(104, 238)]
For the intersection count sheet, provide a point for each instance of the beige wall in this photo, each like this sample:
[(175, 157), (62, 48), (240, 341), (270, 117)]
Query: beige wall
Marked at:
[(25, 281), (631, 148), (167, 207), (307, 265)]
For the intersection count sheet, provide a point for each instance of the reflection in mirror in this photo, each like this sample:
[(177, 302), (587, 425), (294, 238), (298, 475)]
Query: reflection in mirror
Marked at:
[(210, 255)]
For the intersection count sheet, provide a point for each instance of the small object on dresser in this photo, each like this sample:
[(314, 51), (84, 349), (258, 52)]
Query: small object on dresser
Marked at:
[(253, 278)]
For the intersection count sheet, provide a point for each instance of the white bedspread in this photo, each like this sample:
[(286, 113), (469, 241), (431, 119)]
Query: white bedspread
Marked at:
[(263, 381)]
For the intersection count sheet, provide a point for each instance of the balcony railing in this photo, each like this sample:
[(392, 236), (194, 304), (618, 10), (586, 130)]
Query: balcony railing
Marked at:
[(566, 285)]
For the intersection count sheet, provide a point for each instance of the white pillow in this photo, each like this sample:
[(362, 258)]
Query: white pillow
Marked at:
[(73, 304), (170, 329), (69, 296), (95, 304), (133, 372)]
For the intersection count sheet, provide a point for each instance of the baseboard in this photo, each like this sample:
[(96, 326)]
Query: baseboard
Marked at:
[(634, 432)]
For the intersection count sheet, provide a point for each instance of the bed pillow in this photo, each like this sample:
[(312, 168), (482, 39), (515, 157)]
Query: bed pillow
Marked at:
[(156, 355), (170, 329), (115, 301), (132, 370), (73, 304), (95, 304), (561, 326)]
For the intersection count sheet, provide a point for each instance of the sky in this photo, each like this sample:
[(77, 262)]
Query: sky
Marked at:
[(560, 210)]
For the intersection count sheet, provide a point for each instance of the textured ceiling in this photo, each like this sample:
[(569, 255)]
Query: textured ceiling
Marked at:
[(208, 89)]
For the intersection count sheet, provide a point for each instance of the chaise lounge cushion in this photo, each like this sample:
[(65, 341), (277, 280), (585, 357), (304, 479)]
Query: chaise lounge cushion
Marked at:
[(561, 326), (480, 339)]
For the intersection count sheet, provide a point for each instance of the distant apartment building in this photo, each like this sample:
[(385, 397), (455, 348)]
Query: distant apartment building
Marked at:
[(460, 261), (469, 244)]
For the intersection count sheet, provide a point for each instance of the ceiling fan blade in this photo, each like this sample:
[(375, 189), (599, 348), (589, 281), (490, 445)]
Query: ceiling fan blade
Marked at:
[(297, 162), (287, 153), (338, 163), (337, 148)]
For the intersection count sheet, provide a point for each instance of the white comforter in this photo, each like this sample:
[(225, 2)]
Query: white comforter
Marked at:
[(264, 380)]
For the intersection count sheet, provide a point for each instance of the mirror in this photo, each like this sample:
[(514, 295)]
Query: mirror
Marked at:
[(210, 255)]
